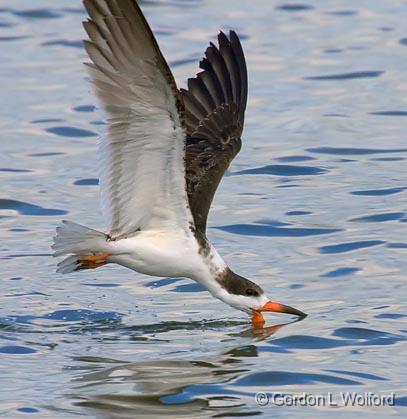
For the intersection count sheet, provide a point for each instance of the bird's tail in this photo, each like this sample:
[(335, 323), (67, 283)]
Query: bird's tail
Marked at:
[(87, 247)]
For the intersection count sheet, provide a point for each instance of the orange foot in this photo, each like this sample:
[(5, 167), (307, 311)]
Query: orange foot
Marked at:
[(93, 261)]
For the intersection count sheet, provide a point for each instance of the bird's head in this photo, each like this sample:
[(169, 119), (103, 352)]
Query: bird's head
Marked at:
[(245, 295)]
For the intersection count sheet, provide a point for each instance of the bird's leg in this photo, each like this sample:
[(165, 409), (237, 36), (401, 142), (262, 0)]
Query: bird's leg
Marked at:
[(93, 261)]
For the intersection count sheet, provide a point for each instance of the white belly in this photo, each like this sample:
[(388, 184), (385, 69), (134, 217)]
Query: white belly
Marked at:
[(159, 253)]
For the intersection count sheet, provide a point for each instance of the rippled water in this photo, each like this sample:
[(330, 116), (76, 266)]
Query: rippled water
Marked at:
[(314, 209)]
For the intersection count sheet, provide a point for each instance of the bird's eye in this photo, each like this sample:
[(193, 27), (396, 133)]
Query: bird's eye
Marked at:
[(251, 292)]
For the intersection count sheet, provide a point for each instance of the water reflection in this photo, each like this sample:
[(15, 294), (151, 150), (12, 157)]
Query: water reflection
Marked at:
[(221, 383), (118, 389)]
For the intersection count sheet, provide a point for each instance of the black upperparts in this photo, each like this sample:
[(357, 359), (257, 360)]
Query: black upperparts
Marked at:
[(238, 285)]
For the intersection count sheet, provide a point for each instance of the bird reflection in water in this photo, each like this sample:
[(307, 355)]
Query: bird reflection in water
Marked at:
[(166, 386), (265, 332)]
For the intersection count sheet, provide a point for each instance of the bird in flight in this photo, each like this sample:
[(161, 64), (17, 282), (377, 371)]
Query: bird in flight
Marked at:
[(162, 158)]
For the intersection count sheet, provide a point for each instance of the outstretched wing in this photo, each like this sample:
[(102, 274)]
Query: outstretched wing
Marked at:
[(142, 174), (215, 104)]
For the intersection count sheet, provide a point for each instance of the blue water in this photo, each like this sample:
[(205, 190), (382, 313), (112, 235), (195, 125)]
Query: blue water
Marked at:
[(313, 209)]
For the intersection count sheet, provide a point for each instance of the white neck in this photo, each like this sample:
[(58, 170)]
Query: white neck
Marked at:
[(211, 267)]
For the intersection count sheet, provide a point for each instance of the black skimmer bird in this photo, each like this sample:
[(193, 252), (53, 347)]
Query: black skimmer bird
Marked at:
[(162, 158)]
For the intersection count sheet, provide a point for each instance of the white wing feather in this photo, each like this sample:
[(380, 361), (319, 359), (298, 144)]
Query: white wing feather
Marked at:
[(142, 165)]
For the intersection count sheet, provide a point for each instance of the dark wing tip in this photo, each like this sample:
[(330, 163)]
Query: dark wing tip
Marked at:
[(222, 84), (215, 103), (239, 55), (223, 41), (233, 36), (222, 37)]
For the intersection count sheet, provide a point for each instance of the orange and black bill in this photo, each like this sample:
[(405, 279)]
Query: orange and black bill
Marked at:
[(281, 308)]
